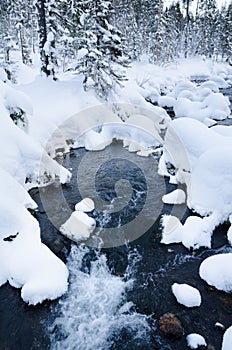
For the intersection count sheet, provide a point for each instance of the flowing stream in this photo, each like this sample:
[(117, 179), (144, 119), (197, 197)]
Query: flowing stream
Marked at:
[(117, 292)]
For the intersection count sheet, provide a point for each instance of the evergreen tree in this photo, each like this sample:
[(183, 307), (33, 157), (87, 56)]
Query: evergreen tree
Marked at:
[(226, 34), (102, 55), (125, 19), (50, 30)]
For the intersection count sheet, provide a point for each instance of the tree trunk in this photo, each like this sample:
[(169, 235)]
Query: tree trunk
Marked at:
[(40, 4)]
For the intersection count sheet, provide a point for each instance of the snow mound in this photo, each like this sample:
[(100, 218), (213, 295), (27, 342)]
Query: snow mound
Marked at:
[(203, 103), (227, 339), (195, 233), (186, 295), (86, 205), (216, 271), (175, 197), (78, 227), (195, 341)]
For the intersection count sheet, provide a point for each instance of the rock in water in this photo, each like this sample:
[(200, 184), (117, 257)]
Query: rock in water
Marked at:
[(86, 205), (78, 227), (171, 326)]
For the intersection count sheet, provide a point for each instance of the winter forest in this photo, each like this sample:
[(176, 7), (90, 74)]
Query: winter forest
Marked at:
[(89, 37), (115, 174)]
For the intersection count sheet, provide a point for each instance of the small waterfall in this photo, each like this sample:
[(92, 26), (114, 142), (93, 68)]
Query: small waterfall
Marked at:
[(95, 313)]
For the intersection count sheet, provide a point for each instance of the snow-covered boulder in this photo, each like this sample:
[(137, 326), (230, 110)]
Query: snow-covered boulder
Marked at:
[(78, 227), (177, 196), (186, 295), (86, 205), (227, 339), (216, 271), (195, 233), (195, 341)]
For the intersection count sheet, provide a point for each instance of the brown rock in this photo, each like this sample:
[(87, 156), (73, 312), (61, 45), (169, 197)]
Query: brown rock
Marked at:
[(171, 326)]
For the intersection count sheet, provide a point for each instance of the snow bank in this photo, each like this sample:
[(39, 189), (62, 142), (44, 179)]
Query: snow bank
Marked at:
[(25, 262), (186, 295), (195, 341), (216, 271), (227, 339), (197, 158)]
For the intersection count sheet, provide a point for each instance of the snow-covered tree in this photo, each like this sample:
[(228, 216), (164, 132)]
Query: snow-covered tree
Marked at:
[(101, 56), (50, 30), (206, 27), (125, 20), (226, 33)]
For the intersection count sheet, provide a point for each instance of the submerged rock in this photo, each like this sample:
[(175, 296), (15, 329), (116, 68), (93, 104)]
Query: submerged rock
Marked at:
[(171, 326)]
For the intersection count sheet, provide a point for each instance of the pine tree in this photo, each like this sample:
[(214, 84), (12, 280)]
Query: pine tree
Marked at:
[(50, 30), (226, 33), (102, 55), (125, 20)]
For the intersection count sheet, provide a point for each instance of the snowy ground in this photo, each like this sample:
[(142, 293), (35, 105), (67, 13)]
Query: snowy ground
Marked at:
[(57, 115)]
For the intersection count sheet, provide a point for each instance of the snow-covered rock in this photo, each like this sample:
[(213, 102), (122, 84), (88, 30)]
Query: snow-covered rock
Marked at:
[(195, 341), (221, 83), (177, 196), (216, 271), (86, 205), (195, 233), (171, 230), (166, 101), (78, 227), (227, 339), (186, 295)]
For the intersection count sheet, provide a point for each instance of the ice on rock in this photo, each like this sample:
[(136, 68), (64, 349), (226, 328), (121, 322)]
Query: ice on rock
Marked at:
[(195, 341), (227, 339), (78, 227), (175, 197), (216, 271), (186, 295), (86, 205)]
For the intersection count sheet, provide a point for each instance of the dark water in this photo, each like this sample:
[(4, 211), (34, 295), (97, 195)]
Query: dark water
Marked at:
[(159, 266)]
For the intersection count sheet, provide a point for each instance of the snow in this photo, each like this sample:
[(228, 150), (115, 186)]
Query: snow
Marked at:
[(227, 339), (195, 233), (25, 262), (86, 205), (60, 115), (216, 271), (195, 341), (229, 232), (177, 196), (78, 227), (186, 295), (198, 160)]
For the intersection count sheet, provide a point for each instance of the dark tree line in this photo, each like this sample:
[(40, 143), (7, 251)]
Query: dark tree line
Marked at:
[(98, 37)]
